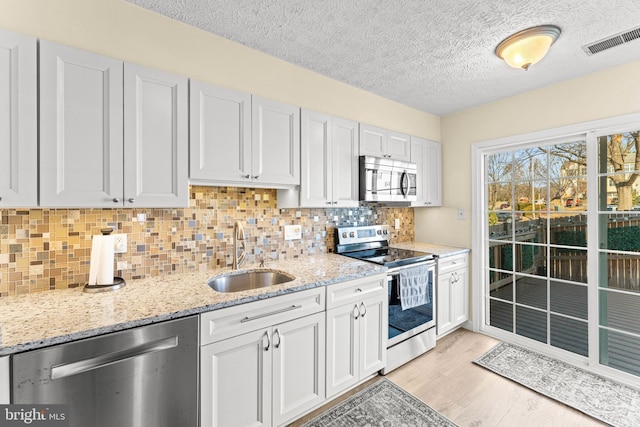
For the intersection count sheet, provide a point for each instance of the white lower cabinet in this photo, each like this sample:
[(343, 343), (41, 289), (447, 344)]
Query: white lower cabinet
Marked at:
[(452, 292), (356, 331), (268, 376)]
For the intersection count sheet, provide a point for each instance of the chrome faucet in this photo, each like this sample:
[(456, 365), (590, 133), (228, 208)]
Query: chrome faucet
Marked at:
[(238, 234)]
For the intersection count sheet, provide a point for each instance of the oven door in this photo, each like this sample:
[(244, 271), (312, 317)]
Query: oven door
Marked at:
[(404, 324)]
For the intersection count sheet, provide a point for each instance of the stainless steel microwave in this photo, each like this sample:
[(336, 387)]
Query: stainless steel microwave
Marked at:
[(387, 180)]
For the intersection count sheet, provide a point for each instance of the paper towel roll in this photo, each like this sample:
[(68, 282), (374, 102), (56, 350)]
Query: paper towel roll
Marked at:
[(101, 267)]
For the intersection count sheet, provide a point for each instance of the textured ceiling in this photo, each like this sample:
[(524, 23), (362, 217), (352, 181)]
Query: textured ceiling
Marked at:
[(433, 55)]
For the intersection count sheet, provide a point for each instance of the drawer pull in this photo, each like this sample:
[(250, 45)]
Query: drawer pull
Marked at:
[(358, 290), (271, 313)]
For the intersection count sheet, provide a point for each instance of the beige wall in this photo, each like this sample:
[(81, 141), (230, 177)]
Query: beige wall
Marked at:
[(121, 30), (600, 95)]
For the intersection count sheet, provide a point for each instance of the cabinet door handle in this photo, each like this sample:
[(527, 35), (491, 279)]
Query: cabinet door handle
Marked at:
[(131, 200), (271, 313), (277, 332), (256, 176), (329, 203), (116, 200), (356, 312), (247, 176), (268, 342), (363, 309)]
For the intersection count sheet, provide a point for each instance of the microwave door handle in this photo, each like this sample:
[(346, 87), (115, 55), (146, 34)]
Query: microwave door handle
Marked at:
[(404, 184)]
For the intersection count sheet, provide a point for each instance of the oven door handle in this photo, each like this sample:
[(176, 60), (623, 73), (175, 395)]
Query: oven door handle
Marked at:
[(393, 273)]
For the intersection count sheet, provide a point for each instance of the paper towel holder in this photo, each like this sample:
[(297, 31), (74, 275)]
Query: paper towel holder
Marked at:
[(118, 282)]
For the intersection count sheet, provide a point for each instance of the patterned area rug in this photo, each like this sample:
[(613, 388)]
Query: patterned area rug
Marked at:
[(382, 404), (592, 394)]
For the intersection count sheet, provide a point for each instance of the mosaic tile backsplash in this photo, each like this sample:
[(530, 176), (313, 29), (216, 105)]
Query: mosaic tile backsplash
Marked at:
[(47, 249)]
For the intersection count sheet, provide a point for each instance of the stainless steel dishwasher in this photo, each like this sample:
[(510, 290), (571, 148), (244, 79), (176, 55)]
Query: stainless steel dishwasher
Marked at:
[(146, 376)]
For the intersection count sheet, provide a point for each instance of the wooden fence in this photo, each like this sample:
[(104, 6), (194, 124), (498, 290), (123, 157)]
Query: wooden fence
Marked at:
[(622, 270)]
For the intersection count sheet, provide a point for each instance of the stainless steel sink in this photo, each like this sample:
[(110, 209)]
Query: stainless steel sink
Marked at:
[(250, 279)]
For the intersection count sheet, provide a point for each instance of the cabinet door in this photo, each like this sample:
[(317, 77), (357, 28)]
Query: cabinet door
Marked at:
[(81, 138), (155, 138), (275, 146), (298, 367), (444, 320), (373, 334), (427, 156), (418, 156), (460, 297), (373, 141), (345, 163), (220, 140), (235, 385), (18, 120), (398, 146), (316, 160), (343, 348), (433, 166)]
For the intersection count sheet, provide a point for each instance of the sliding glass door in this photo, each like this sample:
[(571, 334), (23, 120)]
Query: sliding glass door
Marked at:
[(561, 243), (618, 251), (537, 258)]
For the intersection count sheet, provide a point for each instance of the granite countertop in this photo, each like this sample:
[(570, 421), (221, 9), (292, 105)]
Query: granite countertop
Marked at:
[(38, 320), (439, 250)]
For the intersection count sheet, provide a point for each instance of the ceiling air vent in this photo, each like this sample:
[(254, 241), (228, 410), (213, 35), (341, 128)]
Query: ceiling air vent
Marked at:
[(609, 42)]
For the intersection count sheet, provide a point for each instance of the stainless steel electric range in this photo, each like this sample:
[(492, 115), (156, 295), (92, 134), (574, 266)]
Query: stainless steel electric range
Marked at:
[(411, 290)]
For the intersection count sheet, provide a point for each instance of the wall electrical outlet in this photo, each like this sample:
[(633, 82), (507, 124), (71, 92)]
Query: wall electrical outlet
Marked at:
[(462, 215), (119, 243), (292, 232), (396, 224)]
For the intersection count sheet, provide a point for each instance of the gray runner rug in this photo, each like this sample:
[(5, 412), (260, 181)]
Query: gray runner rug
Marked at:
[(599, 397), (381, 404)]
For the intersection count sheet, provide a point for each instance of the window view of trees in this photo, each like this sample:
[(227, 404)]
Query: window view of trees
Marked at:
[(623, 166)]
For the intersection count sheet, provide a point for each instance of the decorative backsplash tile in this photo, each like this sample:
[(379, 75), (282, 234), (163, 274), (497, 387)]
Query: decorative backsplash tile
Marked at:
[(47, 249)]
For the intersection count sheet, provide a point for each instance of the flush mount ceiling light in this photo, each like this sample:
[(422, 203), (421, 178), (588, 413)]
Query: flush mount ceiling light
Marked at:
[(526, 47)]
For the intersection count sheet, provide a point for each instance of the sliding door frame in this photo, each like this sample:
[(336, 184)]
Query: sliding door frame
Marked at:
[(587, 131)]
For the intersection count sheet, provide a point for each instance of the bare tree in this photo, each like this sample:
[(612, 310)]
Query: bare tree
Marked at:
[(621, 149)]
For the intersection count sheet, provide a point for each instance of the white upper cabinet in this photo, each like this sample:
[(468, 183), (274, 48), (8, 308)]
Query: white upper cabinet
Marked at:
[(427, 155), (81, 138), (275, 156), (18, 120), (242, 140), (220, 138), (345, 162), (378, 142), (329, 162), (156, 140), (90, 155)]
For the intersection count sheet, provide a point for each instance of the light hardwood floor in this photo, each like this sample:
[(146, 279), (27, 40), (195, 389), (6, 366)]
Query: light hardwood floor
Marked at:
[(446, 379)]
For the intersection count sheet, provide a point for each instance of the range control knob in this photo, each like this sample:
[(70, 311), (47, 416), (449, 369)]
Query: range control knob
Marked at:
[(385, 231), (344, 234), (352, 234), (379, 232)]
